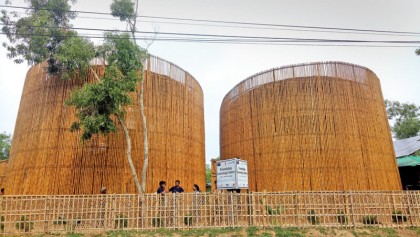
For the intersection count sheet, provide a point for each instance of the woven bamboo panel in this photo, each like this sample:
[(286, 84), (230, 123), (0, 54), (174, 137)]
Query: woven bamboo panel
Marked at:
[(318, 126), (3, 169), (46, 158)]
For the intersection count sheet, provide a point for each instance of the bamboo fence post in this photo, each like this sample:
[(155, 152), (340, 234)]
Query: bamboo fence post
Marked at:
[(409, 207), (352, 209), (252, 209), (296, 202), (394, 209)]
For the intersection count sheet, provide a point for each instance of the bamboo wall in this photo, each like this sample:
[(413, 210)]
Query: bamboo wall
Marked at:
[(318, 126), (46, 158), (3, 169), (93, 213)]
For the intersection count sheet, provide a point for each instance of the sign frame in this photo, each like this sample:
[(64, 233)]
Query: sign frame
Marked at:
[(232, 174)]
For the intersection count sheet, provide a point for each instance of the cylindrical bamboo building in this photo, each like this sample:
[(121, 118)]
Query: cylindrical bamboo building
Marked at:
[(310, 127), (46, 158)]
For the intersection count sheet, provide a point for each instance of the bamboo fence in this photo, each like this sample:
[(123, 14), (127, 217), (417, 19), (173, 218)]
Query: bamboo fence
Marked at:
[(87, 213), (47, 159), (318, 126)]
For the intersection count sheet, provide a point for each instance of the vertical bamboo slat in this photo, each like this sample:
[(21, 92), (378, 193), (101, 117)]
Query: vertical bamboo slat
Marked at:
[(310, 127)]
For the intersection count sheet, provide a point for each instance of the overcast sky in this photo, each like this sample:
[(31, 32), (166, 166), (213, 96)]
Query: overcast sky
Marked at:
[(219, 67)]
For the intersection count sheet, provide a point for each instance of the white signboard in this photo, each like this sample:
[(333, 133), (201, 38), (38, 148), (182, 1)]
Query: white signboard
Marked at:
[(242, 173), (232, 174)]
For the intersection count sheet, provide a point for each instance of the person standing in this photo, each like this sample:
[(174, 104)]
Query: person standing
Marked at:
[(162, 188), (196, 188), (176, 188)]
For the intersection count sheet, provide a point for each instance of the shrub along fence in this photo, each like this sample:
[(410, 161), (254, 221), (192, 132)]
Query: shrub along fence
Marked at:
[(58, 214)]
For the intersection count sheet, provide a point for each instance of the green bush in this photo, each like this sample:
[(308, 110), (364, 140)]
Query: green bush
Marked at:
[(275, 211), (188, 220), (158, 222), (1, 223), (68, 224), (24, 224), (342, 217), (121, 221), (312, 218), (398, 217), (370, 220), (60, 221)]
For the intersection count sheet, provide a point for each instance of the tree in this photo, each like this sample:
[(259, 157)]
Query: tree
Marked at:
[(406, 116), (5, 144), (45, 34), (208, 173), (126, 10)]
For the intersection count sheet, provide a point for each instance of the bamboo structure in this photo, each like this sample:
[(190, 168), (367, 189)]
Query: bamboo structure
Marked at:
[(93, 213), (310, 127), (3, 169), (46, 158)]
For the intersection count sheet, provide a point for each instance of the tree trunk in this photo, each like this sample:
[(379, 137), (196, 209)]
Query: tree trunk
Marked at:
[(145, 139), (143, 116), (128, 151)]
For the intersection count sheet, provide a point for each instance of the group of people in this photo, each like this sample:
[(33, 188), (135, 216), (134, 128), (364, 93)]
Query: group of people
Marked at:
[(175, 189)]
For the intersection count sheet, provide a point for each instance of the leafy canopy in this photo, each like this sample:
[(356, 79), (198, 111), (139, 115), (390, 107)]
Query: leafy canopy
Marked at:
[(37, 37), (406, 116), (5, 144), (97, 102), (123, 9)]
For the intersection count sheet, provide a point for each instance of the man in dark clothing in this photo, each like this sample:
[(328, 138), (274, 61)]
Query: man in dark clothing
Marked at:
[(161, 190), (176, 188)]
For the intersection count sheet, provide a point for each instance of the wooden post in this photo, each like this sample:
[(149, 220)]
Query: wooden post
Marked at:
[(352, 209)]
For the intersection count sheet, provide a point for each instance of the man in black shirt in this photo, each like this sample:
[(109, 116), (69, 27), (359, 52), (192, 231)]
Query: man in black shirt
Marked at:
[(176, 188), (161, 190)]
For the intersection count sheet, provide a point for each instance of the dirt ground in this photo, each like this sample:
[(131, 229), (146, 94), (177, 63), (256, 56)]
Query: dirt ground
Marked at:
[(253, 231)]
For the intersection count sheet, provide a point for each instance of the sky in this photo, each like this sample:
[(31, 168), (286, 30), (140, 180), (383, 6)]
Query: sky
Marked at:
[(219, 67)]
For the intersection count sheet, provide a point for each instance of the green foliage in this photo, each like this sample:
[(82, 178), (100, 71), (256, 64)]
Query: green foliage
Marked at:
[(342, 217), (370, 220), (36, 37), (60, 221), (69, 225), (406, 128), (290, 232), (158, 222), (2, 223), (277, 210), (24, 224), (398, 217), (74, 235), (312, 217), (5, 145), (97, 102), (208, 173), (123, 9), (188, 220), (73, 56), (121, 221), (406, 116), (251, 231)]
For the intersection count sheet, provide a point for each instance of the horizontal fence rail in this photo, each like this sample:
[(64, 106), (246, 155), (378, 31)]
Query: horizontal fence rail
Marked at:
[(60, 214)]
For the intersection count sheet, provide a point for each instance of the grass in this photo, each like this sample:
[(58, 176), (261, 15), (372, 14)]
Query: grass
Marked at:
[(251, 231), (289, 232), (389, 232)]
